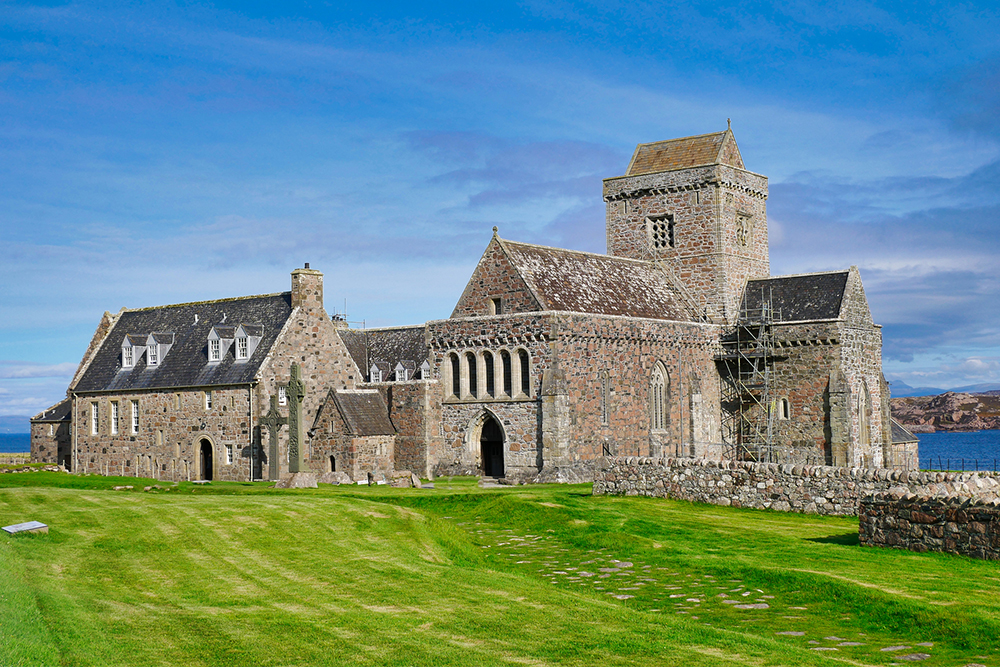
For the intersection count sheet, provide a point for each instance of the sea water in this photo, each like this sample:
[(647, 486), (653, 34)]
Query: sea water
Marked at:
[(970, 450), (15, 442)]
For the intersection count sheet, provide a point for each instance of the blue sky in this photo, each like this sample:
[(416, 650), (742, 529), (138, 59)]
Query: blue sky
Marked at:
[(155, 153)]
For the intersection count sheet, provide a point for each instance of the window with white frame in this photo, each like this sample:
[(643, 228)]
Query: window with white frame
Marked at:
[(215, 350), (242, 348), (114, 417), (229, 455), (95, 419), (128, 358), (153, 356), (135, 416), (282, 395), (208, 400)]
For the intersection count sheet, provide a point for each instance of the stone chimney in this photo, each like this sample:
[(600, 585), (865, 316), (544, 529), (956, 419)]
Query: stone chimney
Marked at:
[(307, 289)]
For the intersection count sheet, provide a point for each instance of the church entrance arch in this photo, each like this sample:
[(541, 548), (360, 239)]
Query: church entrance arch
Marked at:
[(486, 435), (491, 443), (205, 458)]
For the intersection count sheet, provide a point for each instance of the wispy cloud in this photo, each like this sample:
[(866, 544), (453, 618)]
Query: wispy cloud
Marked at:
[(27, 369)]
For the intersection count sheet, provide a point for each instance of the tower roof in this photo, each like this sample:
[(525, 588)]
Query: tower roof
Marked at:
[(686, 152)]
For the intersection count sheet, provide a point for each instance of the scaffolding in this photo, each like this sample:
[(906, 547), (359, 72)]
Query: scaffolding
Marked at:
[(746, 366)]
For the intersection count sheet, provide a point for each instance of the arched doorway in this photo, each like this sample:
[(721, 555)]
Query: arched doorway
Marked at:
[(205, 455), (491, 442)]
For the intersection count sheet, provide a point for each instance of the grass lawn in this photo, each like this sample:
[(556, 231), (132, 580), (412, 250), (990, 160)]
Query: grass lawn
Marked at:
[(240, 574)]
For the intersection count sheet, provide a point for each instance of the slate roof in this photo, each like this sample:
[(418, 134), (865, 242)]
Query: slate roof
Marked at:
[(364, 412), (590, 283), (186, 364), (812, 296), (900, 434), (678, 154), (390, 345), (60, 412)]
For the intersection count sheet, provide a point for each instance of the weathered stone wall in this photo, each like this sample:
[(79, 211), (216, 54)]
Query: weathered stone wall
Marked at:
[(52, 443), (415, 411), (172, 425), (808, 489), (711, 256), (462, 417), (805, 354), (493, 278), (627, 349), (952, 525)]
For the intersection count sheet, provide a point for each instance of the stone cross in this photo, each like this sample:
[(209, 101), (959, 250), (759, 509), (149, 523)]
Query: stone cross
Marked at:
[(273, 421), (295, 393)]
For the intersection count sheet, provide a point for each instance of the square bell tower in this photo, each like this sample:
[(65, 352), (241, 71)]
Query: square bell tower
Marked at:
[(691, 206)]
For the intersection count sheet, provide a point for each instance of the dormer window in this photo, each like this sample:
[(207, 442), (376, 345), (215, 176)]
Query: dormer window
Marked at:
[(215, 350), (220, 338), (158, 344), (402, 374), (425, 369), (153, 354), (376, 373), (248, 336), (128, 360)]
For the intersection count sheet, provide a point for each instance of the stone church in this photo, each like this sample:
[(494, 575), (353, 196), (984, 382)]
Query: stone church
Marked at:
[(677, 343)]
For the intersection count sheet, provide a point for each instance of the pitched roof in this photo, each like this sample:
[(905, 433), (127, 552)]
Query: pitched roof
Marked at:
[(899, 433), (390, 345), (684, 153), (811, 296), (590, 283), (364, 412), (186, 364), (60, 412)]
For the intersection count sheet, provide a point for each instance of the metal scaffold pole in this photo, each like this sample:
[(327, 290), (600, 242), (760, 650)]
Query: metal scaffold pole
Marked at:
[(747, 369)]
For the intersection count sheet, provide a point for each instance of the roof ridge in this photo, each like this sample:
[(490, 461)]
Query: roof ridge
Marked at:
[(801, 275), (693, 136), (581, 252), (402, 326), (197, 303)]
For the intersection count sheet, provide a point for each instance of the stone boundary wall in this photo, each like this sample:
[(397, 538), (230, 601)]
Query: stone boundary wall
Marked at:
[(968, 527), (787, 488)]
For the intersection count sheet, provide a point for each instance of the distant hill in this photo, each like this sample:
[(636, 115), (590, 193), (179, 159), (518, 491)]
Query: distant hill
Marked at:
[(15, 424), (900, 389), (950, 411)]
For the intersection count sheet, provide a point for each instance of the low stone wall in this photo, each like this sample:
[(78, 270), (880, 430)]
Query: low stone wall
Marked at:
[(959, 526), (787, 488)]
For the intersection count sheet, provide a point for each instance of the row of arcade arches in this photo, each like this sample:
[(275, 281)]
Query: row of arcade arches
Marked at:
[(484, 374)]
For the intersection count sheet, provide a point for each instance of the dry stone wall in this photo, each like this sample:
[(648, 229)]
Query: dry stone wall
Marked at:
[(953, 525), (788, 488)]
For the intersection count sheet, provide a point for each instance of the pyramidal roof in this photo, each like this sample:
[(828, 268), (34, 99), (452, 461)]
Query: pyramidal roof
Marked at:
[(686, 152)]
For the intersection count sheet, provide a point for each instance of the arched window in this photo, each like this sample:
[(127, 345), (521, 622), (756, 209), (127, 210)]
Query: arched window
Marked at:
[(522, 356), (456, 376), (470, 359), (508, 389), (491, 388), (659, 391), (784, 409)]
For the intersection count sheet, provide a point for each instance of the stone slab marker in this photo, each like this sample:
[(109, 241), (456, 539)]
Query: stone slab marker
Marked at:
[(29, 527), (273, 421)]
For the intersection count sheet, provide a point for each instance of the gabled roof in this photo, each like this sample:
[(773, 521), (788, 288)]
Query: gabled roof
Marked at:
[(586, 282), (704, 149), (810, 296), (391, 345), (364, 412), (60, 412), (900, 434), (186, 364)]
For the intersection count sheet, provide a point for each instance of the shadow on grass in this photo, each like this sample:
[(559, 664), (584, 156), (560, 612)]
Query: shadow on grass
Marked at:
[(847, 539)]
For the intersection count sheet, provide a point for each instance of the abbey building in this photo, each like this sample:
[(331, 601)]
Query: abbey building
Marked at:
[(678, 342)]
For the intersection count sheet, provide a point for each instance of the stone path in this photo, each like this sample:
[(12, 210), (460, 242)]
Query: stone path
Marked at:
[(662, 590)]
